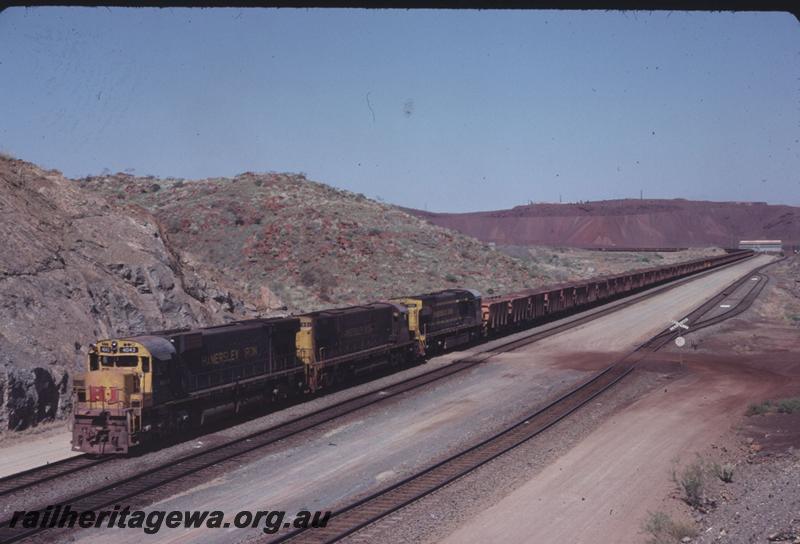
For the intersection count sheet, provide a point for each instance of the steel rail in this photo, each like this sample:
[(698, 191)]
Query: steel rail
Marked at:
[(44, 473), (740, 307)]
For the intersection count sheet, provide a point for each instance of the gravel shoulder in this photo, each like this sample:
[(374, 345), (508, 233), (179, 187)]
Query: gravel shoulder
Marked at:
[(44, 448)]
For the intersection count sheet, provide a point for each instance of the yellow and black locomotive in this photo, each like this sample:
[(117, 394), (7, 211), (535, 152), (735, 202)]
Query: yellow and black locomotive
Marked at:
[(148, 386)]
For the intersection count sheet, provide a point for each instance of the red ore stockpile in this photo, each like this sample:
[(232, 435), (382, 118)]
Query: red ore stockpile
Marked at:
[(628, 223)]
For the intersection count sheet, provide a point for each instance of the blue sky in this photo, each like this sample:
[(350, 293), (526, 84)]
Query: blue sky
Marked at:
[(441, 110)]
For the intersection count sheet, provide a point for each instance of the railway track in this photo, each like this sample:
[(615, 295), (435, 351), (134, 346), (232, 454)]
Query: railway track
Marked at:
[(45, 473), (136, 486), (743, 305), (371, 509)]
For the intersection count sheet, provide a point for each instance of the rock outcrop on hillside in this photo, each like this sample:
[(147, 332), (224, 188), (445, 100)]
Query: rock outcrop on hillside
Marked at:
[(75, 268), (628, 223)]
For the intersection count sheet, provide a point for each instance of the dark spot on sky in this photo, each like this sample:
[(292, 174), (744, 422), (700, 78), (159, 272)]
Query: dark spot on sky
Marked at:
[(369, 105), (408, 108)]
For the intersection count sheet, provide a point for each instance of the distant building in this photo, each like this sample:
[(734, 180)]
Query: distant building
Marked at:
[(765, 246)]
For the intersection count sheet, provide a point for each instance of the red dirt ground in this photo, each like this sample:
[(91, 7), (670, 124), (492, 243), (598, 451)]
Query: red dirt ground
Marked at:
[(608, 482), (774, 433)]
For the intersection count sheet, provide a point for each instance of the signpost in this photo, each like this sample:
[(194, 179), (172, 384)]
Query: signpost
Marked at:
[(680, 341), (679, 324)]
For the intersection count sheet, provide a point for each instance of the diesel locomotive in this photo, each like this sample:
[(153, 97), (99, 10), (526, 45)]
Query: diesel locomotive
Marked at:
[(166, 382), (140, 389)]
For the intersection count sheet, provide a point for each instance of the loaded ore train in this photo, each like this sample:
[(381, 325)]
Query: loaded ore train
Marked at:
[(141, 389)]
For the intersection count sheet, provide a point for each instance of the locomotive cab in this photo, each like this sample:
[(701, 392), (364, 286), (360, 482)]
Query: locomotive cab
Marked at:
[(111, 396)]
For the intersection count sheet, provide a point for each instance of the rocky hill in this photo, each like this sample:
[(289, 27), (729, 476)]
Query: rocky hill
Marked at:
[(281, 241), (74, 268), (628, 223)]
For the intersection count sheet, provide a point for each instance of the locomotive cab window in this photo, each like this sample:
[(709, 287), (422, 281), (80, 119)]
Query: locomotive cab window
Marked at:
[(145, 364), (93, 363), (119, 361), (127, 361)]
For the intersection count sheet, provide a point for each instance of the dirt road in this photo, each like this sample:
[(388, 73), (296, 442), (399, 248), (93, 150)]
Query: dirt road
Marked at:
[(602, 489)]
